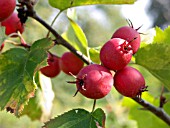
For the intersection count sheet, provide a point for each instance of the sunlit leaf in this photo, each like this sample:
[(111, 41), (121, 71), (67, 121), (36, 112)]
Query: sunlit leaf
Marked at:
[(155, 58), (64, 4), (78, 118), (162, 36), (79, 34), (71, 37), (95, 54)]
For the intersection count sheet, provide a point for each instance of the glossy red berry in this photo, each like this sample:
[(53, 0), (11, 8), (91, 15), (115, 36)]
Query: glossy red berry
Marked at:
[(52, 69), (70, 63), (116, 54), (129, 34), (94, 81), (6, 8), (129, 82), (13, 24)]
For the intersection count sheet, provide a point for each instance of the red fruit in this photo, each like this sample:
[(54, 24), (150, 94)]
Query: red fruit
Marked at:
[(6, 8), (129, 34), (2, 46), (70, 63), (94, 81), (53, 68), (13, 24), (129, 82), (116, 54)]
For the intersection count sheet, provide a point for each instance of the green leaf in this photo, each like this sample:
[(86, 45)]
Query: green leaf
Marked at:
[(39, 107), (95, 54), (162, 36), (33, 109), (75, 40), (17, 69), (2, 35), (64, 4), (155, 58), (144, 118), (79, 34), (77, 118), (99, 115), (44, 43)]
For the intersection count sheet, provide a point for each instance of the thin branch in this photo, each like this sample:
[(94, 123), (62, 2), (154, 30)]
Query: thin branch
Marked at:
[(59, 40), (159, 112)]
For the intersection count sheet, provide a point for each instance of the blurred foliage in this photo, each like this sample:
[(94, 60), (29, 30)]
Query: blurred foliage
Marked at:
[(98, 23), (159, 10)]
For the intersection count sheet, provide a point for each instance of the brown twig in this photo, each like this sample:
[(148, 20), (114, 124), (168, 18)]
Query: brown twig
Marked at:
[(159, 112)]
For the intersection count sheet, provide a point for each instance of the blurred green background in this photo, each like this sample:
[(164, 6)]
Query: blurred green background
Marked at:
[(98, 23)]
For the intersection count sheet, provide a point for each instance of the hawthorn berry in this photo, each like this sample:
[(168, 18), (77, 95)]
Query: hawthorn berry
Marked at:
[(129, 34), (13, 24), (94, 81), (129, 82), (6, 8), (116, 54), (52, 69), (70, 63)]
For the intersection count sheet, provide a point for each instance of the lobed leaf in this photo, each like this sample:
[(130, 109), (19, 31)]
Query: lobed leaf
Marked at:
[(162, 36), (17, 69), (155, 58), (64, 4), (77, 118)]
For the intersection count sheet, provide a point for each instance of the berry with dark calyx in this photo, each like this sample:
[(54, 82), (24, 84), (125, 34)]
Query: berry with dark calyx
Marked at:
[(128, 33), (94, 81), (116, 54), (129, 82), (52, 69), (6, 8), (13, 25), (70, 63)]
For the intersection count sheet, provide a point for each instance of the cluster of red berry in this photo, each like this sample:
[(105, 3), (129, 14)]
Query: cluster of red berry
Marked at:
[(9, 18), (68, 63), (95, 81)]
